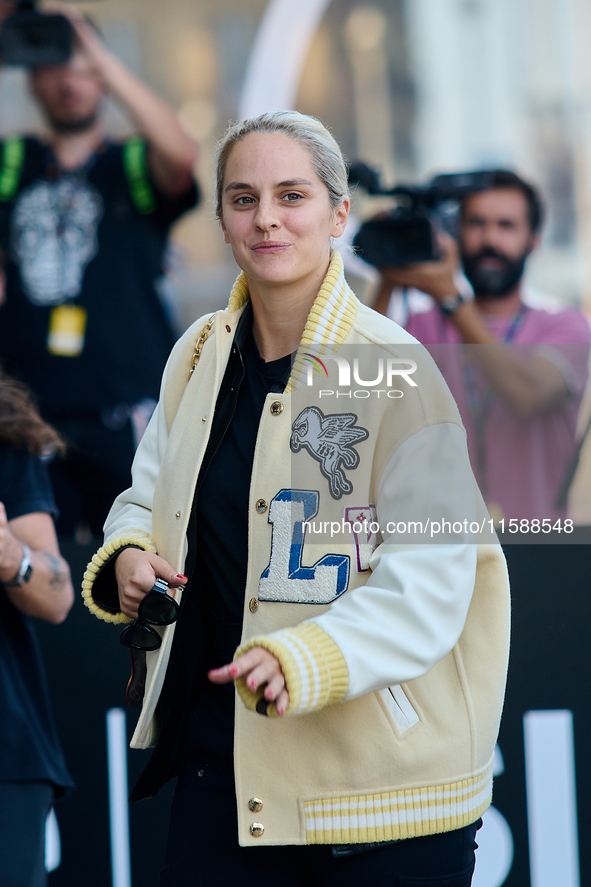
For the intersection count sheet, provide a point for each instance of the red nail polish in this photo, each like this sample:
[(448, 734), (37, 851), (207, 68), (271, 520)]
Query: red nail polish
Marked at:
[(252, 685), (180, 576), (233, 670)]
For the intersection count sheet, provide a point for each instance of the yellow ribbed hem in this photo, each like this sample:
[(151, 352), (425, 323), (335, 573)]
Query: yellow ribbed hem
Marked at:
[(134, 537), (331, 317), (397, 815), (313, 666)]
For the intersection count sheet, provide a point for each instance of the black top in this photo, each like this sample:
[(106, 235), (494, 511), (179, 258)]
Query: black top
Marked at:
[(28, 738), (221, 544), (198, 716), (222, 504), (79, 239)]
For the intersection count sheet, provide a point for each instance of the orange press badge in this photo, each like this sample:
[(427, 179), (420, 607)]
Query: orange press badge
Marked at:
[(67, 330)]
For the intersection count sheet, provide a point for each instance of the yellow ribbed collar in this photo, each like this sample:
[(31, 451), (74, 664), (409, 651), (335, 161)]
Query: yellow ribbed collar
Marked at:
[(329, 321)]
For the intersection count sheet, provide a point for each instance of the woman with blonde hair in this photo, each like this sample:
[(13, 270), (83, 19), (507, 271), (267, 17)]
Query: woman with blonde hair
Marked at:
[(369, 662)]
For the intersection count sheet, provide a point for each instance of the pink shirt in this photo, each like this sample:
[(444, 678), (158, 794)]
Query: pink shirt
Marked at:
[(520, 464)]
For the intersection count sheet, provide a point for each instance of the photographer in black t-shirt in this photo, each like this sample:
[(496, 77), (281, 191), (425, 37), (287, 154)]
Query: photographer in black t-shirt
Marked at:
[(84, 224)]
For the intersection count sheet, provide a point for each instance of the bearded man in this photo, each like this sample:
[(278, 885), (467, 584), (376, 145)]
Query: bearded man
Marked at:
[(517, 372)]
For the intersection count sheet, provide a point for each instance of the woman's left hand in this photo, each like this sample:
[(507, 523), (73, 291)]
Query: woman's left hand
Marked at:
[(256, 667)]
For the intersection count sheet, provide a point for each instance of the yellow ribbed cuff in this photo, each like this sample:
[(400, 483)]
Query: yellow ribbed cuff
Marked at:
[(103, 555), (314, 668)]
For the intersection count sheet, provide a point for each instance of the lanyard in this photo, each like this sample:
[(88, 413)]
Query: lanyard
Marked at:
[(54, 171), (481, 398)]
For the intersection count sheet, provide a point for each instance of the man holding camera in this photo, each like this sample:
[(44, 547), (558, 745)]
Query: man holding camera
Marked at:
[(83, 226), (519, 383)]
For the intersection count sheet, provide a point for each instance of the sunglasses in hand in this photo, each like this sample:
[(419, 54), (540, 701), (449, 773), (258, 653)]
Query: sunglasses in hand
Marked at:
[(157, 608)]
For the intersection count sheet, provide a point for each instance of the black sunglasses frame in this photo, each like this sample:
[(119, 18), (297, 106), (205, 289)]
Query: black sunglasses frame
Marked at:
[(156, 597)]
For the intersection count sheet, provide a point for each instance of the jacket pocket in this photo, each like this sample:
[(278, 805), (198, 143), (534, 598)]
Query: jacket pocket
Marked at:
[(400, 708)]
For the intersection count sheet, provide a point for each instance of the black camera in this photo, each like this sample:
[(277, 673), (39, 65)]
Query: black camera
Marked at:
[(31, 38), (408, 233)]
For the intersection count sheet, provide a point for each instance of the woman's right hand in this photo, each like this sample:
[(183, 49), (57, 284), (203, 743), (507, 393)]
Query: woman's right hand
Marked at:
[(136, 571)]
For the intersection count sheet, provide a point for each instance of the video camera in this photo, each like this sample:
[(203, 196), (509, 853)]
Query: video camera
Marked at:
[(407, 233), (32, 38)]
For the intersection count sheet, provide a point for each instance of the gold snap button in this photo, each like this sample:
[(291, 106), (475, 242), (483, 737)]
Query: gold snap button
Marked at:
[(253, 605), (276, 408), (177, 515), (228, 329), (257, 829), (261, 506), (255, 804)]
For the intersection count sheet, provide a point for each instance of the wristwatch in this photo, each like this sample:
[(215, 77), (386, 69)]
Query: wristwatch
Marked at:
[(450, 304), (24, 571)]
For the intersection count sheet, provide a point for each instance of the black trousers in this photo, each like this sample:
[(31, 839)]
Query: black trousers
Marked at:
[(203, 849), (23, 810)]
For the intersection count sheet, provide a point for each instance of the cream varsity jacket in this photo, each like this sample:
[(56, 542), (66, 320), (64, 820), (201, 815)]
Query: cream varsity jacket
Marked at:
[(373, 576)]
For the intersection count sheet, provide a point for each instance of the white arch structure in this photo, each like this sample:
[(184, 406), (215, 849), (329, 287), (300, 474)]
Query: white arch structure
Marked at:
[(278, 54)]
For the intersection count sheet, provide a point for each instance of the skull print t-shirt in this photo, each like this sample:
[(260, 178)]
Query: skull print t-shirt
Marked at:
[(83, 321)]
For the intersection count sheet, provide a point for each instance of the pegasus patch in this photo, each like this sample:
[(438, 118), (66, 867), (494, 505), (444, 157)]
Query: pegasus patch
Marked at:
[(331, 441)]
